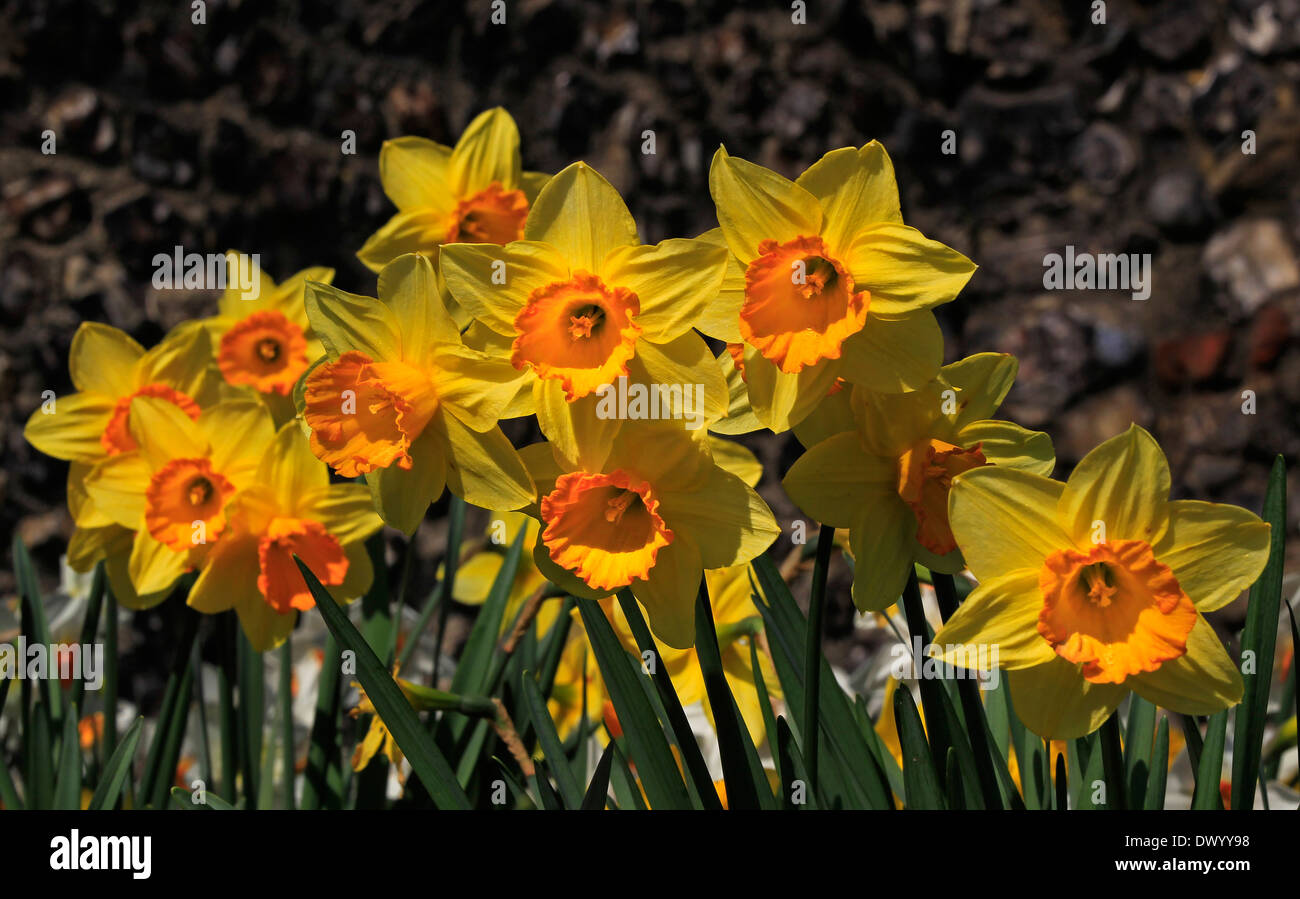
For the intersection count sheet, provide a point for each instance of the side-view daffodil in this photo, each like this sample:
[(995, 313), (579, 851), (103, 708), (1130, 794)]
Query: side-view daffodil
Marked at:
[(580, 303), (401, 399), (173, 490), (289, 508), (887, 479), (652, 518), (473, 192), (1098, 586), (265, 342), (825, 282)]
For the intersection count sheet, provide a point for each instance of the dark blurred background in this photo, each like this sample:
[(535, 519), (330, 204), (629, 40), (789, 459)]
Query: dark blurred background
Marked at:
[(1116, 137)]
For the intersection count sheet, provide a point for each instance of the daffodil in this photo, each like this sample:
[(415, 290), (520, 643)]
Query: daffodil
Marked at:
[(738, 622), (580, 303), (825, 282), (657, 513), (476, 574), (473, 192), (401, 399), (1098, 586), (173, 490), (290, 509), (265, 342), (887, 478)]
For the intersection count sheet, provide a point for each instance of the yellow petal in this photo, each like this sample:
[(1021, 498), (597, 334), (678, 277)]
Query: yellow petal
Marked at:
[(229, 578), (484, 469), (905, 271), (740, 417), (836, 479), (401, 497), (234, 300), (344, 321), (183, 360), (1000, 615), (163, 432), (415, 174), (720, 317), (361, 573), (833, 415), (475, 576), (582, 216), (856, 188), (493, 283), (982, 382), (580, 437), (117, 566), (264, 627), (1055, 702), (539, 459), (73, 429), (1123, 483), (488, 150), (154, 566), (103, 359), (1011, 446), (1201, 682), (673, 280), (684, 361), (117, 486), (563, 578), (881, 539), (737, 459), (409, 287), (239, 433), (668, 594), (346, 511), (780, 400), (756, 204), (893, 356), (290, 468), (418, 231), (479, 386), (1005, 520), (725, 520), (1216, 551)]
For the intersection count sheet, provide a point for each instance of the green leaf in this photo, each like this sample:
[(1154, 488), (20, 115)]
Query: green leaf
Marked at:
[(1209, 767), (1137, 749), (67, 789), (174, 706), (921, 786), (684, 737), (183, 798), (642, 730), (398, 716), (8, 794), (795, 771), (1159, 776), (322, 785), (90, 626), (1112, 758), (812, 653), (34, 623), (747, 785), (1260, 638), (598, 789), (553, 749), (116, 770)]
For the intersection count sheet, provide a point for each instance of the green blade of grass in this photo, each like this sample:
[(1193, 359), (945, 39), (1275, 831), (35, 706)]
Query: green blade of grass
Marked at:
[(322, 785), (747, 785), (626, 789), (184, 799), (110, 671), (398, 716), (1137, 749), (1209, 767), (455, 533), (1062, 785), (921, 787), (8, 794), (764, 704), (598, 790), (1260, 639), (251, 715), (34, 623), (687, 745), (1112, 759), (285, 698), (89, 627), (644, 734), (117, 769), (796, 772), (171, 746), (171, 705)]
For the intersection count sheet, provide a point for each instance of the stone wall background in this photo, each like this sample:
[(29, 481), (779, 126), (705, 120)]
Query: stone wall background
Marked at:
[(1123, 137)]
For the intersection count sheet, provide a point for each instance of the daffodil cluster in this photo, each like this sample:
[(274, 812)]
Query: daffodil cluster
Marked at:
[(503, 293)]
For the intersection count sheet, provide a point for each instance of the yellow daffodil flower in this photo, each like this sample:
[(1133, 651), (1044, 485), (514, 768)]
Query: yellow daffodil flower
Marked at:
[(576, 673), (265, 342), (401, 399), (1099, 586), (476, 574), (173, 490), (657, 513), (473, 192), (289, 509), (825, 282), (579, 303), (887, 478)]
